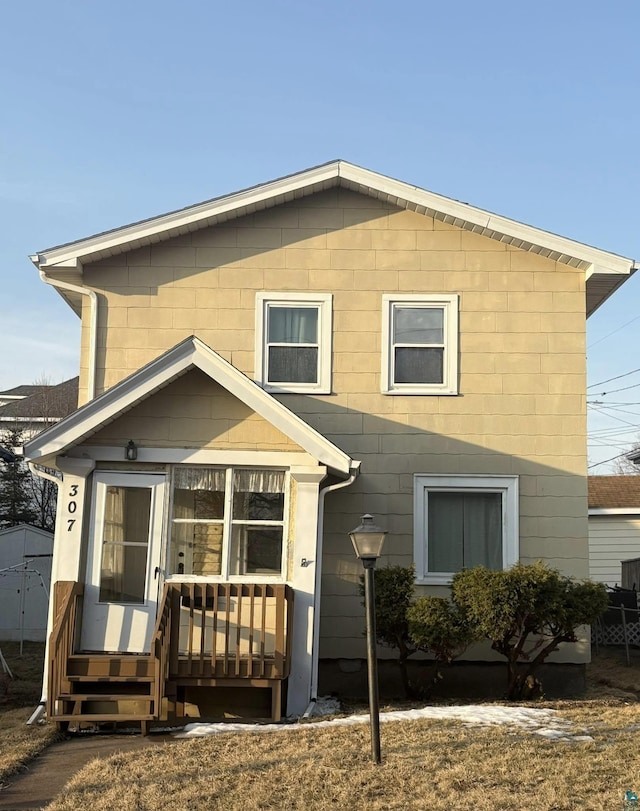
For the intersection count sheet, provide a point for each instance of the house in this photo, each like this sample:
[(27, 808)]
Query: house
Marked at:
[(25, 577), (30, 409), (614, 526), (258, 371)]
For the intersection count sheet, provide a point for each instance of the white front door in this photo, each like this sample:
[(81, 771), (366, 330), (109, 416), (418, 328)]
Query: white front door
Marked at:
[(123, 562)]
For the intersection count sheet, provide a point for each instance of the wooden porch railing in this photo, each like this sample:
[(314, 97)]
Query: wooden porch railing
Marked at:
[(66, 596), (230, 630), (206, 635), (160, 648)]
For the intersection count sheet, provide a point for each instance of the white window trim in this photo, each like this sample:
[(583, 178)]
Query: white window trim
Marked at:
[(507, 485), (227, 522), (449, 385), (323, 301)]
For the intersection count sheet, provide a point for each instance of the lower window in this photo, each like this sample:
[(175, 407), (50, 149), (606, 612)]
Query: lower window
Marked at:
[(464, 521), (228, 522)]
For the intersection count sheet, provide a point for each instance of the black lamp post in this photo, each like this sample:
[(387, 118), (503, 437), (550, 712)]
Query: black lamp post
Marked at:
[(367, 540)]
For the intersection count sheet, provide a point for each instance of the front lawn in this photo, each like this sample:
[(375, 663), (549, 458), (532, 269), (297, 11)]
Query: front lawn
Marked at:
[(432, 765), (19, 697)]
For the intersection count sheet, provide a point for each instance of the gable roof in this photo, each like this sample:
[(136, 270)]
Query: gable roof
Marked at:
[(189, 354), (42, 403), (614, 492), (19, 391), (604, 271)]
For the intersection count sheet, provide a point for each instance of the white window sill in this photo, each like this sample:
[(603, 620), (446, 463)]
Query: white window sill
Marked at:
[(296, 390), (434, 580), (425, 391)]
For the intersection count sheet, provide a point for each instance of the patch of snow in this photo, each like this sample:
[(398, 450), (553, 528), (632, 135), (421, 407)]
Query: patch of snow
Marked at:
[(543, 722), (326, 705)]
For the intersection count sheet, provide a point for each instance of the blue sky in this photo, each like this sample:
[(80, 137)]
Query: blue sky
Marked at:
[(116, 111)]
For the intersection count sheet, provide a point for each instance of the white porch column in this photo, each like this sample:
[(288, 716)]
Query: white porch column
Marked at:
[(303, 581), (72, 503), (67, 542)]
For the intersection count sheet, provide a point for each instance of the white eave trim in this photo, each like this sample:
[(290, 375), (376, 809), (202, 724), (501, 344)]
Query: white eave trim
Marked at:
[(156, 229), (614, 510), (191, 353)]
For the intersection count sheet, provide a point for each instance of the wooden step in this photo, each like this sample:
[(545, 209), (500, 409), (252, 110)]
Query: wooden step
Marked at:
[(88, 718), (114, 679), (105, 697), (106, 665)]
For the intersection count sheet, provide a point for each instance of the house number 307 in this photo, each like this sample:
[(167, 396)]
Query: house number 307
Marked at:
[(72, 506)]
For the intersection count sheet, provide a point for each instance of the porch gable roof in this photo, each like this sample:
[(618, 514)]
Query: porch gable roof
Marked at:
[(191, 353)]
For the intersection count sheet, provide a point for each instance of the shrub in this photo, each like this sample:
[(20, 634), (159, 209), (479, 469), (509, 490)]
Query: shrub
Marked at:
[(526, 612), (393, 596), (438, 627), (429, 624)]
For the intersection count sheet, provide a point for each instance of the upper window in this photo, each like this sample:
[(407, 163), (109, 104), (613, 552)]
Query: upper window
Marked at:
[(293, 342), (420, 344), (464, 521), (228, 522)]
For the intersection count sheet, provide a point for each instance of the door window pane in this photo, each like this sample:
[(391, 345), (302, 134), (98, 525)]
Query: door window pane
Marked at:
[(125, 542), (123, 573)]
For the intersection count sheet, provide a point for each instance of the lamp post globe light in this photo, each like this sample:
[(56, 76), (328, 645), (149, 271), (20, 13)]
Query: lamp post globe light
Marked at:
[(367, 540)]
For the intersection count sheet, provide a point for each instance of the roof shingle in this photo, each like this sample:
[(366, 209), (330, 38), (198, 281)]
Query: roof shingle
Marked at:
[(614, 492)]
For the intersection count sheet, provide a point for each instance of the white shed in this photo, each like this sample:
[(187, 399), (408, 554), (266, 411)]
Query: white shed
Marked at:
[(25, 576)]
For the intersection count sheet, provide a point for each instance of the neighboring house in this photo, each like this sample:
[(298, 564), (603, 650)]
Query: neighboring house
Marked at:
[(25, 578), (258, 371), (614, 526), (31, 409)]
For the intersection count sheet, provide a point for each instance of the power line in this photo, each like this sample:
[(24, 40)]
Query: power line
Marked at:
[(617, 377), (604, 337), (604, 462), (624, 388)]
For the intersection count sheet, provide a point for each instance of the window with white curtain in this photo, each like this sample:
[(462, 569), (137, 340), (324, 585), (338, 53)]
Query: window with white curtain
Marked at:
[(420, 344), (228, 522), (293, 342), (464, 521)]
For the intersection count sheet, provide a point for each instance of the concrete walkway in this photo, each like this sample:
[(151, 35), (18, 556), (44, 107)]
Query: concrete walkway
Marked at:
[(45, 777)]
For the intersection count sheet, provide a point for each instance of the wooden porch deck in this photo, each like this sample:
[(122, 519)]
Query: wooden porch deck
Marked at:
[(207, 635)]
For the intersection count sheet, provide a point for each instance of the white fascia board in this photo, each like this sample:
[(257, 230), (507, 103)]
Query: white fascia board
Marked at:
[(614, 510), (143, 383), (186, 217), (613, 263), (292, 186)]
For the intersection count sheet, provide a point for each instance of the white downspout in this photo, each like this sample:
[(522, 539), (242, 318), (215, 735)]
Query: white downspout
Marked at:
[(91, 393), (315, 653), (93, 325), (39, 711)]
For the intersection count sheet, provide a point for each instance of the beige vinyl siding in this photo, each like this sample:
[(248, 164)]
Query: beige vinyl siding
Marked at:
[(612, 539), (195, 412), (521, 406)]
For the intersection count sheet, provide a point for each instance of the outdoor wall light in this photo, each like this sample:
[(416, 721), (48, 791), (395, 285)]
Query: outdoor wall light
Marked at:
[(131, 451), (367, 540)]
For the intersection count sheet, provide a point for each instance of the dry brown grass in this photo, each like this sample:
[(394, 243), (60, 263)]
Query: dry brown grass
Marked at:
[(431, 765), (19, 697), (427, 765)]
